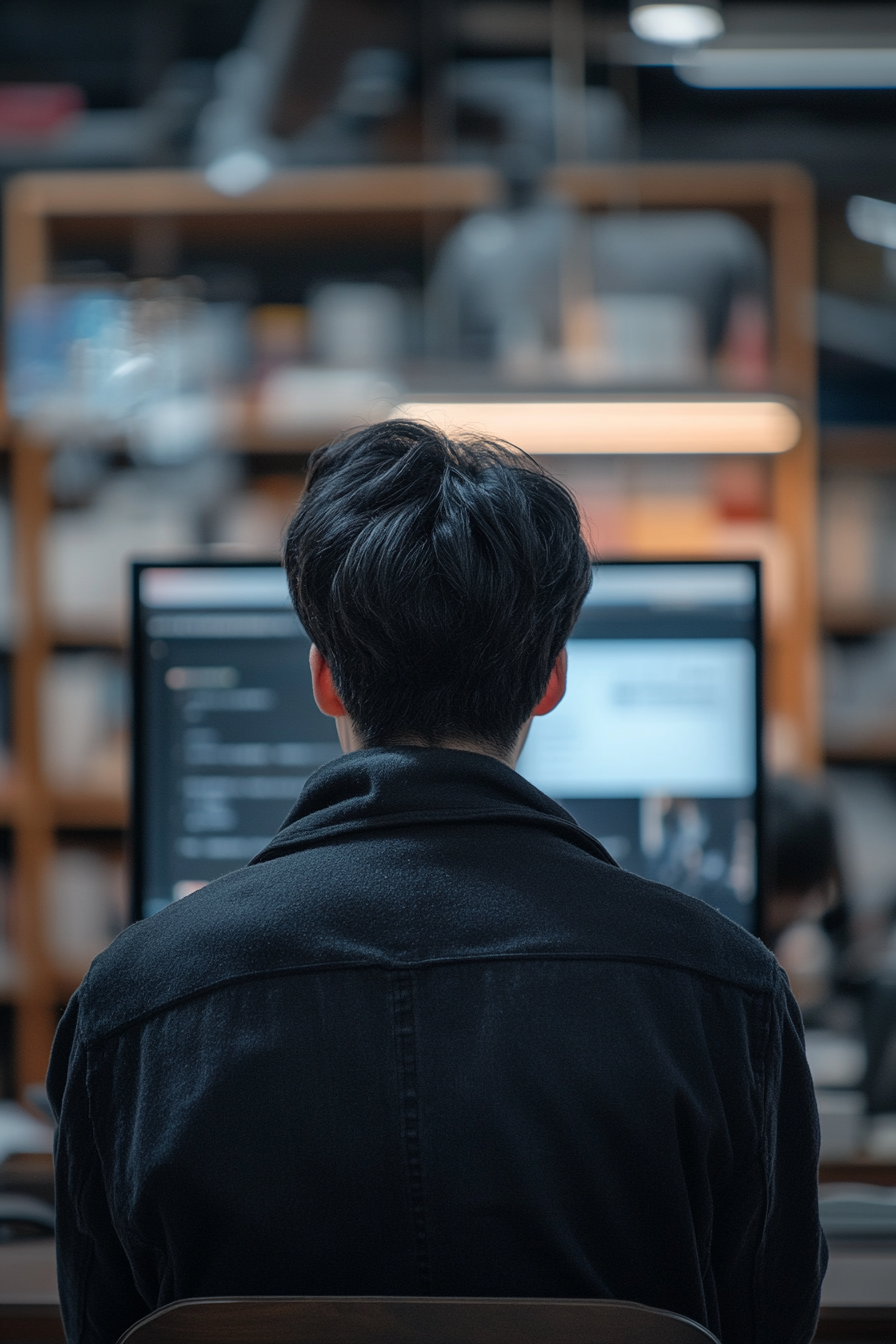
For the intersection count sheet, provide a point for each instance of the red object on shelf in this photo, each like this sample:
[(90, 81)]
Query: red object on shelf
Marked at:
[(31, 111)]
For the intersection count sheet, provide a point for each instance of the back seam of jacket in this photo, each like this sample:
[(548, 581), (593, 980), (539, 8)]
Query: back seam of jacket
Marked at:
[(405, 1030)]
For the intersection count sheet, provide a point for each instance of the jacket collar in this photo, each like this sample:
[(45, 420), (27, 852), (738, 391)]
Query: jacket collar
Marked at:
[(390, 787)]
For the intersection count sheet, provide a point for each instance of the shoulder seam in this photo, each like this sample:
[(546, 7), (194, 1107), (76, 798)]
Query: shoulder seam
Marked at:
[(390, 967)]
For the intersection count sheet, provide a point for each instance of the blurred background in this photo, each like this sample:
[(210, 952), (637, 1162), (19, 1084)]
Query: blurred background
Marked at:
[(233, 228)]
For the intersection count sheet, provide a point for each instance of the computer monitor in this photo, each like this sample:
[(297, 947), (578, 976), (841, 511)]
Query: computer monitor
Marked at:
[(654, 749)]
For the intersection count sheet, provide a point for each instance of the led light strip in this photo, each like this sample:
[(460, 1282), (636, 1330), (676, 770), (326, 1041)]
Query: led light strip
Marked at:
[(787, 67), (619, 426)]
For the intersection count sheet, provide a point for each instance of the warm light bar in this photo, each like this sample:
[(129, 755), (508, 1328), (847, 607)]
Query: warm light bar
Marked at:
[(619, 425)]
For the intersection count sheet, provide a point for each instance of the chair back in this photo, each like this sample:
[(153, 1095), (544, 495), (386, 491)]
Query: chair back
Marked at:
[(412, 1320)]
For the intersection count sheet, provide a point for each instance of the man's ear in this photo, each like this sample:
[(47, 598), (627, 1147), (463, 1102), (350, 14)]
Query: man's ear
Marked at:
[(556, 688), (326, 697)]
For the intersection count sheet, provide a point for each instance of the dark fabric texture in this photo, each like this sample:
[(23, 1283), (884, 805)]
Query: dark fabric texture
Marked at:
[(433, 1040)]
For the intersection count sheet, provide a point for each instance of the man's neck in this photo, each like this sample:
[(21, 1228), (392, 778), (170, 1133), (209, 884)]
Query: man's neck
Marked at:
[(351, 740), (460, 744)]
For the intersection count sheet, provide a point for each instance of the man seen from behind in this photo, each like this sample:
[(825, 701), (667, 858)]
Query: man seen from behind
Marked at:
[(433, 1040)]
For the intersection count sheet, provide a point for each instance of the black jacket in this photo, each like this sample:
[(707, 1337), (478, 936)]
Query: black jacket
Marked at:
[(434, 1041)]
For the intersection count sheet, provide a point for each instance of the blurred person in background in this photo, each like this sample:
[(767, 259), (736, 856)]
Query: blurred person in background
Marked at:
[(802, 886), (806, 925)]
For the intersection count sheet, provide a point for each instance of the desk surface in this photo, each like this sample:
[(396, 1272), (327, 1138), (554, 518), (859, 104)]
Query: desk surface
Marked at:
[(859, 1276), (28, 1273)]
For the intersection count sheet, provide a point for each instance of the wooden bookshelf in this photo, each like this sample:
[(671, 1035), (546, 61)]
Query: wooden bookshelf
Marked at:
[(51, 216)]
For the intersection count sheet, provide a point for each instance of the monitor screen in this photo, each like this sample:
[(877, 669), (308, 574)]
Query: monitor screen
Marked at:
[(226, 730), (654, 749)]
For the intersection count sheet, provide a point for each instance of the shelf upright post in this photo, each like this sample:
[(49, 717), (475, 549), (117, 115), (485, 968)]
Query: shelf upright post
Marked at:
[(794, 667), (34, 834), (26, 263)]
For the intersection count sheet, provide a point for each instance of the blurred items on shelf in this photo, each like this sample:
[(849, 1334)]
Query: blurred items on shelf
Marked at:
[(47, 126), (86, 905), (254, 520), (108, 515), (34, 112), (688, 507), (358, 326), (880, 1137), (357, 334), (278, 333), (151, 365), (540, 295), (860, 696), (22, 1132), (84, 723), (835, 1060), (841, 1119), (552, 296), (858, 545), (132, 512), (838, 1062), (146, 362), (857, 1212), (858, 589), (314, 401), (691, 507)]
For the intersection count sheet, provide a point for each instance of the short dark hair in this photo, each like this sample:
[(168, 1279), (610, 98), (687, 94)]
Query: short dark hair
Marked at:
[(800, 838), (440, 578)]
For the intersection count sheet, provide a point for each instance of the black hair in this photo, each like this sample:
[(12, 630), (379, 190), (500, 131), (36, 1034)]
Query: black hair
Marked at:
[(801, 844), (440, 578)]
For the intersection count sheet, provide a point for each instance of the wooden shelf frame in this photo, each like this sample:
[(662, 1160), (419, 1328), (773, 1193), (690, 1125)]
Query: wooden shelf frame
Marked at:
[(39, 208)]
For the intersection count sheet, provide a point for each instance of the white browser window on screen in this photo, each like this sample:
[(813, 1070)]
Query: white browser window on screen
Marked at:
[(654, 748)]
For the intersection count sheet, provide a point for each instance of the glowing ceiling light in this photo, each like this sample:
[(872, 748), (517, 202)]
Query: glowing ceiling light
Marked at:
[(620, 425), (676, 25)]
